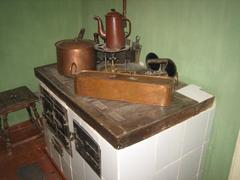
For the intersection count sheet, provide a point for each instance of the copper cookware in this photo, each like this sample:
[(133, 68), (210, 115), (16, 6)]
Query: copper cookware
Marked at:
[(114, 36), (125, 87), (75, 55)]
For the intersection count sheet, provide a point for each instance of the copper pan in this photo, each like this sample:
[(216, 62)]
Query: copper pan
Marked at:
[(75, 55)]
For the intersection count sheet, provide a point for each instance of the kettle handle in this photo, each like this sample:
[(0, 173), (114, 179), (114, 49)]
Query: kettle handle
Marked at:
[(129, 27)]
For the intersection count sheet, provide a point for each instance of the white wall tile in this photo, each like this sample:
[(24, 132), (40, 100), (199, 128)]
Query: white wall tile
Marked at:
[(194, 92), (192, 178), (174, 154), (190, 164), (78, 162), (108, 160), (203, 157), (136, 162), (200, 176), (169, 145), (210, 122), (170, 172), (195, 132), (55, 155), (90, 174), (67, 170)]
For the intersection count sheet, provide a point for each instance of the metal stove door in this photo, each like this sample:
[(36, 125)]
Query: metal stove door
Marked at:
[(78, 163), (81, 169)]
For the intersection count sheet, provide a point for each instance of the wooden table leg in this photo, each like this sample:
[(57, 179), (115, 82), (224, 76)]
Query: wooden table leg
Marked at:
[(6, 133), (0, 123), (37, 117), (30, 113), (1, 130)]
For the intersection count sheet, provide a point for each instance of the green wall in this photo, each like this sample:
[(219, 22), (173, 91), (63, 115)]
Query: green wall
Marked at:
[(201, 36), (28, 31)]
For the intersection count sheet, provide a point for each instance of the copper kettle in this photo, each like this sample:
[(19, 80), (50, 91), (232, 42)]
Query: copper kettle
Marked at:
[(114, 36)]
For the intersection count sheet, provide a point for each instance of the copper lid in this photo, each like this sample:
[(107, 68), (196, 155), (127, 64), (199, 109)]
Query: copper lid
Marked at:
[(113, 12), (74, 44)]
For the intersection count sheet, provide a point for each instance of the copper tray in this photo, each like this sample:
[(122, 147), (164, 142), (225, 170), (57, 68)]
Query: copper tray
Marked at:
[(125, 87)]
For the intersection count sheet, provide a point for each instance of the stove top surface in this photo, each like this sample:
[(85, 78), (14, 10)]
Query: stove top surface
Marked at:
[(121, 123)]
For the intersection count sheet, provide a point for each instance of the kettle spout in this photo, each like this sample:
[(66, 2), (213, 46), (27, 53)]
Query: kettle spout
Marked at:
[(100, 27)]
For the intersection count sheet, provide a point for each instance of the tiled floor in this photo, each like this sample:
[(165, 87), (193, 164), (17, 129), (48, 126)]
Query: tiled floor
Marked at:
[(27, 153)]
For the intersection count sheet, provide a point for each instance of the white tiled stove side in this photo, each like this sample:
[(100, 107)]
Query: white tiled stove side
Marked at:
[(176, 153)]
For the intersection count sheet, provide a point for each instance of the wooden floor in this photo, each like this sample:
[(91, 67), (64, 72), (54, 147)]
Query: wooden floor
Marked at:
[(28, 153)]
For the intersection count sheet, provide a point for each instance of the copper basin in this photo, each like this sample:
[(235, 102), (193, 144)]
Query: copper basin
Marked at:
[(125, 87)]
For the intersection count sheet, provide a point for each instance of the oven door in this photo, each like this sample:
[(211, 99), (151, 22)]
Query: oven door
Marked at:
[(47, 104), (86, 146), (56, 118)]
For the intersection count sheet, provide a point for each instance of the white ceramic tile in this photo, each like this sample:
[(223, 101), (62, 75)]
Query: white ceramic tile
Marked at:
[(169, 145), (195, 132), (67, 170), (78, 168), (108, 160), (55, 155), (200, 176), (210, 122), (194, 92), (71, 116), (203, 157), (189, 165), (191, 178), (77, 159), (78, 177), (90, 174), (168, 173), (108, 153), (136, 161)]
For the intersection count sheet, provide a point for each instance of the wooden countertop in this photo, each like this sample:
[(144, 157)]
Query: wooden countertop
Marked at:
[(121, 124)]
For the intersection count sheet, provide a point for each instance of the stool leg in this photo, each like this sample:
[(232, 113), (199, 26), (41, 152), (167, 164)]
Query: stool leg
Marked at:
[(1, 130), (39, 123), (30, 114), (6, 133)]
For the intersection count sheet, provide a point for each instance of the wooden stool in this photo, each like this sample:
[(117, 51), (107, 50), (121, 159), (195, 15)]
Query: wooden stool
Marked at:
[(14, 100)]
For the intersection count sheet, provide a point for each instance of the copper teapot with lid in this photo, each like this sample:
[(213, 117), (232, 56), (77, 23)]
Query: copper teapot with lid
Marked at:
[(114, 36)]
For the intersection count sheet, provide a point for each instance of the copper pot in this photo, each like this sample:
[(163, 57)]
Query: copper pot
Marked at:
[(75, 55)]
